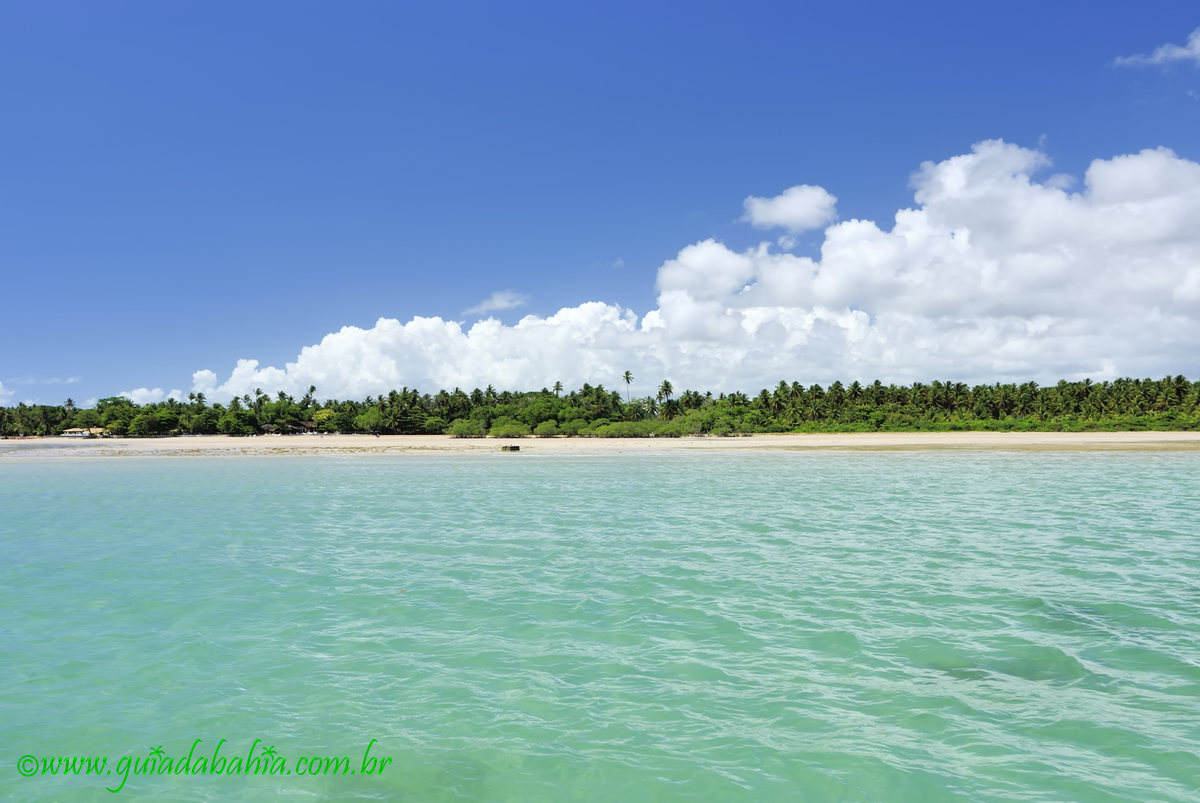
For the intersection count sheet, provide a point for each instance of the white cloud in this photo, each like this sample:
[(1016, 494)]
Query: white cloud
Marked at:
[(53, 380), (1165, 54), (499, 300), (5, 395), (993, 275), (796, 209), (151, 395)]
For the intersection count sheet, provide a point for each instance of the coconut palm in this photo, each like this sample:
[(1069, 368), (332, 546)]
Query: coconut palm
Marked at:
[(628, 377)]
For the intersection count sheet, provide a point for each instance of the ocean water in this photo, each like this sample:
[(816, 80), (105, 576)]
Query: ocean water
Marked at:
[(836, 626)]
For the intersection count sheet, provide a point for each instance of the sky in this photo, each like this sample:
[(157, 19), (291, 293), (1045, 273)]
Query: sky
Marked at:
[(216, 196)]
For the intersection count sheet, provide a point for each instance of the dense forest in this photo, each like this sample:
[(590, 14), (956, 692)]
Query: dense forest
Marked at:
[(1172, 403)]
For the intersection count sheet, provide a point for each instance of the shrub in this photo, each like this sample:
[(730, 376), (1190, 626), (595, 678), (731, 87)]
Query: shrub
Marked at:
[(508, 428), (572, 427), (722, 428), (464, 428)]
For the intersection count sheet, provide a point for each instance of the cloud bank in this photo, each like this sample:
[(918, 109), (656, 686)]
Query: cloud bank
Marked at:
[(148, 395), (992, 275), (1165, 54)]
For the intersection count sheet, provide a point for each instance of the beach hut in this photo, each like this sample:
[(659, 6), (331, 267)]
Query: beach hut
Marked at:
[(85, 432)]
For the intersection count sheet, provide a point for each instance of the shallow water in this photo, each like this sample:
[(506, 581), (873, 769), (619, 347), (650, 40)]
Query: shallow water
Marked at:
[(782, 626)]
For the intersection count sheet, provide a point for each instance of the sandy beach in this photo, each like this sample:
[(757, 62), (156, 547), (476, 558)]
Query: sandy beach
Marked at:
[(299, 445)]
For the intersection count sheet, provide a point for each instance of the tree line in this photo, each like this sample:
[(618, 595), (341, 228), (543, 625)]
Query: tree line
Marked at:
[(1171, 403)]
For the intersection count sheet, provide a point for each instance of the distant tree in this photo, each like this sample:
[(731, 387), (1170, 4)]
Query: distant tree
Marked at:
[(322, 419), (146, 425), (206, 422), (370, 420), (237, 422), (666, 406), (86, 419), (307, 400)]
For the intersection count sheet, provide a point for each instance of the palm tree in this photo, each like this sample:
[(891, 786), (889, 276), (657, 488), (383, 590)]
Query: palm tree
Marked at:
[(628, 377), (665, 390), (558, 388)]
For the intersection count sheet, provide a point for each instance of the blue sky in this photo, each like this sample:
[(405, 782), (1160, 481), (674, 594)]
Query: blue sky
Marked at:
[(187, 185)]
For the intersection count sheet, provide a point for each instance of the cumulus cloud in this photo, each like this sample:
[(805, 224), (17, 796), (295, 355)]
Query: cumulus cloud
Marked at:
[(151, 395), (1165, 54), (5, 395), (499, 300), (992, 275), (796, 209)]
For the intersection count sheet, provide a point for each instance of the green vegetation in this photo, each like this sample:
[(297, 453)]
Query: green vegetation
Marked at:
[(1172, 403)]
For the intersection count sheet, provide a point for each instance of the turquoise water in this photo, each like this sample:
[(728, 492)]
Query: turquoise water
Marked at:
[(915, 626)]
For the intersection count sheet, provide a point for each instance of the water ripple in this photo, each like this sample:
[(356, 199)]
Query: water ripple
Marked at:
[(911, 626)]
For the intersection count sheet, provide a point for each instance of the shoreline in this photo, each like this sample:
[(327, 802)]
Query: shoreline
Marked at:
[(53, 448)]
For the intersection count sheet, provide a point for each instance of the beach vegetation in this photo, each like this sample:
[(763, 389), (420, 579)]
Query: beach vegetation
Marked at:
[(1171, 403), (465, 428), (508, 427)]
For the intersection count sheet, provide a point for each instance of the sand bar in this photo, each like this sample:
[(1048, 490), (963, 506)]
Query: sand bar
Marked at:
[(300, 445)]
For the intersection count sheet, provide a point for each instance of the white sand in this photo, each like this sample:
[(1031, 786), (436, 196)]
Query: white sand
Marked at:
[(220, 445)]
